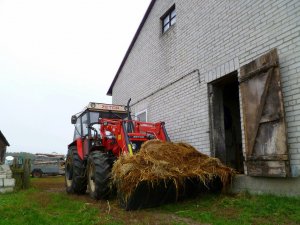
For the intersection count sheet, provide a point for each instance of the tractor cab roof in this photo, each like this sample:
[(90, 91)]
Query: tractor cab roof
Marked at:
[(93, 106), (102, 110)]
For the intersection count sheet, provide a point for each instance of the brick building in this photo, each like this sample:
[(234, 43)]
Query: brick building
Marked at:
[(3, 145), (224, 76)]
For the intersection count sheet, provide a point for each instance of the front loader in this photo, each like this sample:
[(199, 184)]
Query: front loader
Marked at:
[(102, 134)]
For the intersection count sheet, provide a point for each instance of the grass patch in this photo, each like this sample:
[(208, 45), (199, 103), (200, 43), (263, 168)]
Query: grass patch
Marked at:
[(34, 207), (239, 209), (47, 203)]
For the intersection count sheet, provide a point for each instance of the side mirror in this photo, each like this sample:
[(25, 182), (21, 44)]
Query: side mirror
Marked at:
[(73, 119)]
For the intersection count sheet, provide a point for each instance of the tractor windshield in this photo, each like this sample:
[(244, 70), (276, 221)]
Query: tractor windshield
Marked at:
[(88, 117), (94, 117)]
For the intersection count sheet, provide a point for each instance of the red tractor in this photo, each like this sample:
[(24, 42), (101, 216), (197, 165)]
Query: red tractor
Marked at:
[(102, 133)]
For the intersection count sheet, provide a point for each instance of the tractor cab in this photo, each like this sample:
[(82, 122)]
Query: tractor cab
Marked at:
[(87, 133), (110, 128), (91, 115)]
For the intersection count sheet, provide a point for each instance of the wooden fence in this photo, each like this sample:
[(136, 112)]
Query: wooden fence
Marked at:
[(21, 173)]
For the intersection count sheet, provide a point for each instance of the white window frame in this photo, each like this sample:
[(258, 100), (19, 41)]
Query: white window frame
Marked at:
[(168, 20), (141, 112)]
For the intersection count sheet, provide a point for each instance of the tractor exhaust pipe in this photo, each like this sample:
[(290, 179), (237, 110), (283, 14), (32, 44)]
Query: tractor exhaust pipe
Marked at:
[(130, 127)]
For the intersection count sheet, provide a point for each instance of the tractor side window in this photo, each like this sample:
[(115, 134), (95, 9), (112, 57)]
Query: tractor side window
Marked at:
[(77, 132), (85, 130)]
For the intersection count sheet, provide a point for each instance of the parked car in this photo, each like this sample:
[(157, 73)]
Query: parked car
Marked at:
[(49, 164)]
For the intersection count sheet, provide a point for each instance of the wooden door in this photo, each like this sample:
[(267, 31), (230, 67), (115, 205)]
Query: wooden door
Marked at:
[(263, 118), (217, 130)]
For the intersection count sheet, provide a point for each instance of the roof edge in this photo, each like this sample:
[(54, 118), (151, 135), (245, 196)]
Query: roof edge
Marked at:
[(4, 139), (109, 92)]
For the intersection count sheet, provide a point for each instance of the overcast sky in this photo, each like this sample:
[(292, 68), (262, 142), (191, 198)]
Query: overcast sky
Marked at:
[(55, 57)]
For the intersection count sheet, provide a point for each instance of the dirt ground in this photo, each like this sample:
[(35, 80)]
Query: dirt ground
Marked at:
[(111, 207)]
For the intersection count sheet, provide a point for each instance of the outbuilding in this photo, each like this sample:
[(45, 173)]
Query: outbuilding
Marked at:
[(7, 183), (3, 145), (225, 77)]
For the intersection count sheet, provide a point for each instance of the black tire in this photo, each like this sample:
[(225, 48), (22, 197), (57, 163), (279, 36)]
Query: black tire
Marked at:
[(99, 173), (75, 178), (37, 173)]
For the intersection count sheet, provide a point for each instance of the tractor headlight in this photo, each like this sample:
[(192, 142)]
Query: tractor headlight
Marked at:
[(150, 136), (133, 146)]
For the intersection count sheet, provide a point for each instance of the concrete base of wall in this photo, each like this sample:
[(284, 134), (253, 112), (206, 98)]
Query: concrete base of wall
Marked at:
[(6, 189), (263, 185), (7, 183)]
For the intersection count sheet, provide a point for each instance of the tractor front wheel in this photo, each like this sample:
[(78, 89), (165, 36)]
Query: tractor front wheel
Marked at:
[(99, 172), (75, 178)]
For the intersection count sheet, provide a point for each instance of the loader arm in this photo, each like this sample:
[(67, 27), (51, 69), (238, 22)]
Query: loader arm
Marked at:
[(115, 131), (157, 129)]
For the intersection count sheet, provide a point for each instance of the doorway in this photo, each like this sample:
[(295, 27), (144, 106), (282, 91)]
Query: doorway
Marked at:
[(225, 121)]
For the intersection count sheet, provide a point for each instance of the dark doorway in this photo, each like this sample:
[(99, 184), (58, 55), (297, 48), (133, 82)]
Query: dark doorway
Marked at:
[(225, 121)]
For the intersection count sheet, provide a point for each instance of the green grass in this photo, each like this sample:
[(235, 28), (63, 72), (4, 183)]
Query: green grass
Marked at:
[(39, 205), (241, 209), (34, 207)]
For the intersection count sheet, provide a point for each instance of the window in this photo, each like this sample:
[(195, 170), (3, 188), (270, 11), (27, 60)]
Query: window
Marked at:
[(85, 123), (77, 132), (168, 19), (142, 116), (94, 118)]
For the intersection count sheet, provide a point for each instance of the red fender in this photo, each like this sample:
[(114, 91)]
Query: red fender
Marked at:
[(79, 148)]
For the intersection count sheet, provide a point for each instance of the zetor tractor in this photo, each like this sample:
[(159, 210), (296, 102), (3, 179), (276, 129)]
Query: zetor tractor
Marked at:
[(102, 133)]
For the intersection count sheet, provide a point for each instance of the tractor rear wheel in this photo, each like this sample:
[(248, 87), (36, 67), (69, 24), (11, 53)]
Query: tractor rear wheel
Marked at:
[(99, 173), (75, 178)]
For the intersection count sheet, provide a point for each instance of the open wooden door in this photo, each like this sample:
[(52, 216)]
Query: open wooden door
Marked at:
[(217, 128), (263, 117)]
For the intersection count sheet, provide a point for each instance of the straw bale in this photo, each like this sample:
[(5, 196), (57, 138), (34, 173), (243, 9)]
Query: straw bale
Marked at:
[(157, 161)]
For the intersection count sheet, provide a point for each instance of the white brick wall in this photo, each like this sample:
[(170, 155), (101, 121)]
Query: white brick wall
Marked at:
[(7, 183), (215, 37)]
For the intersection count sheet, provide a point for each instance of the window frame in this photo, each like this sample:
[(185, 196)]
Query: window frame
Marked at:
[(168, 14), (141, 112)]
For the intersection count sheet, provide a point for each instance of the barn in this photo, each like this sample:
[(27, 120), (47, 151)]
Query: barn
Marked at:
[(225, 77)]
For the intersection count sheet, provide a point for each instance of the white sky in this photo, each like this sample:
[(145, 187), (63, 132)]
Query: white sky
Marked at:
[(55, 57)]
